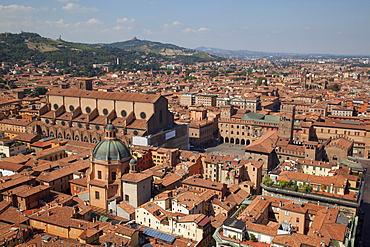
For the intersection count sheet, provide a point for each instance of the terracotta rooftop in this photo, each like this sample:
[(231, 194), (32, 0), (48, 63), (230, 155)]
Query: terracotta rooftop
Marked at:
[(120, 96)]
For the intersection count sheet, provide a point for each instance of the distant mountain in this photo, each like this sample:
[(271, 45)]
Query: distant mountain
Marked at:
[(242, 54), (167, 50), (232, 53)]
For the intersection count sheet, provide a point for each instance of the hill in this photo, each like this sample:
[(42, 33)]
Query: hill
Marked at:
[(69, 57), (168, 50), (64, 55)]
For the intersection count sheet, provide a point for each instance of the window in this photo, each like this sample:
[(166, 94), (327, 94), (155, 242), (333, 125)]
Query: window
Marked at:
[(123, 113), (297, 220), (97, 195), (113, 175), (99, 175), (105, 112), (88, 109), (55, 106), (287, 213), (71, 108), (142, 115), (127, 198), (160, 116)]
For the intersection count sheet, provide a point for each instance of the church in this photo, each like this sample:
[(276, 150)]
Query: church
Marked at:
[(80, 114), (112, 178)]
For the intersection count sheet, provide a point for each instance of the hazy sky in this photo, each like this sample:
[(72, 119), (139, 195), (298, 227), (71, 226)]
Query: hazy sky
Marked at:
[(310, 26)]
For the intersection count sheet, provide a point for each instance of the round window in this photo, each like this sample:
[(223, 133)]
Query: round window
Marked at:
[(55, 106), (97, 127), (88, 109), (123, 113), (105, 112), (47, 121), (63, 123), (135, 132), (71, 108), (79, 125), (143, 115)]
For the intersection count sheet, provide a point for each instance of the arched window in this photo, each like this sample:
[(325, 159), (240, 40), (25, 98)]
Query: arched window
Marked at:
[(160, 116)]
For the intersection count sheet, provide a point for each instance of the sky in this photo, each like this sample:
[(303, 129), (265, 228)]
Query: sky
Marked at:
[(339, 27)]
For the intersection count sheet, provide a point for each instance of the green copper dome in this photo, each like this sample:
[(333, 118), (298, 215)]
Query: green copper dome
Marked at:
[(110, 150)]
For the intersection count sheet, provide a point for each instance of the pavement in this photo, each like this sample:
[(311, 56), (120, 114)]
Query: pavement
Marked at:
[(226, 149)]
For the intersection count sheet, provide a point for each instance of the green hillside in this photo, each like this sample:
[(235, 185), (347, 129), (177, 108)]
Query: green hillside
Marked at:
[(66, 56), (69, 57), (168, 50)]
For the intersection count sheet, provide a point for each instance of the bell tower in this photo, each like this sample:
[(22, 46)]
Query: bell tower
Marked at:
[(84, 83), (226, 111), (286, 125)]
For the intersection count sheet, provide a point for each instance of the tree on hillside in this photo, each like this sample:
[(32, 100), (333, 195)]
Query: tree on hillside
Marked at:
[(335, 87), (38, 91), (261, 80)]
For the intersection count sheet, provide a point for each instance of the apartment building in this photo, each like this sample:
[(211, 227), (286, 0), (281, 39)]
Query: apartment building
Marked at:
[(196, 227), (281, 222)]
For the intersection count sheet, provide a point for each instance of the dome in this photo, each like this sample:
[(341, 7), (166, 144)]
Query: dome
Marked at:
[(133, 161), (110, 126), (111, 150)]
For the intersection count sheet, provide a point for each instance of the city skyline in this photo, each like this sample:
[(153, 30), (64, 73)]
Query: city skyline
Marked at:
[(337, 28)]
